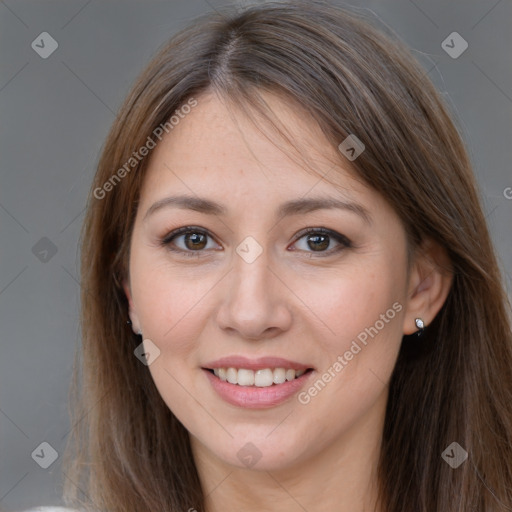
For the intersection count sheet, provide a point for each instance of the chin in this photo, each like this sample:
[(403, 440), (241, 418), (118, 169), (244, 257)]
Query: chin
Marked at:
[(260, 455)]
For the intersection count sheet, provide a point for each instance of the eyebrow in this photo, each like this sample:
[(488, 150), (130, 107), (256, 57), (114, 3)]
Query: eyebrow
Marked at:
[(293, 207)]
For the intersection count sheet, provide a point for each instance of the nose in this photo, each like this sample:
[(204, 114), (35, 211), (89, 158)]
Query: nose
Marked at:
[(255, 302)]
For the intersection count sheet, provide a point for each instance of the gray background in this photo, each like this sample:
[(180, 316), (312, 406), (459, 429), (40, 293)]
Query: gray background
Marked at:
[(55, 114)]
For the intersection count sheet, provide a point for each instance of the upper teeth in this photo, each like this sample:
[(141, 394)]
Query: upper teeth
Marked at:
[(261, 378)]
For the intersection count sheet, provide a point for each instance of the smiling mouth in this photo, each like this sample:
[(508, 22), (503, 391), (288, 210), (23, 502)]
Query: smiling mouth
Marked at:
[(262, 378)]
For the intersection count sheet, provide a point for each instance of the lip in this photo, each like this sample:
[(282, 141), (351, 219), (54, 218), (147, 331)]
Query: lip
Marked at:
[(251, 397), (255, 364)]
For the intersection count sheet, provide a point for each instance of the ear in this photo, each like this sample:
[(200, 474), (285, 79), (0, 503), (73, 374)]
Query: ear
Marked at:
[(132, 312), (430, 279)]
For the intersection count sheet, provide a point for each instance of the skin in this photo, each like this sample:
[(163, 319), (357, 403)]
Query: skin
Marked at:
[(291, 302)]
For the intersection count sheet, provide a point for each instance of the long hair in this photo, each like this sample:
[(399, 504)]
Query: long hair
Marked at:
[(127, 452)]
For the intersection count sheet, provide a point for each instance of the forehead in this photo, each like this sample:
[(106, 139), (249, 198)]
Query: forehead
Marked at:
[(218, 146)]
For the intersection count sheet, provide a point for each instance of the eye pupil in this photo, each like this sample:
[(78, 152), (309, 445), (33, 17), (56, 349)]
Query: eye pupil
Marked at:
[(324, 244), (198, 240)]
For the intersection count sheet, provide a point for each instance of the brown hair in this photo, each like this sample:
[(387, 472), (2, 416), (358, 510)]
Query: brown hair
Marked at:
[(128, 452)]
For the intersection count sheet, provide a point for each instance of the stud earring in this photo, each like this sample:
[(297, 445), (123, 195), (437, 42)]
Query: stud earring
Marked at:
[(129, 322), (420, 325)]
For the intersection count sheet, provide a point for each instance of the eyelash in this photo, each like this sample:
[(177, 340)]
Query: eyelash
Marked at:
[(344, 242)]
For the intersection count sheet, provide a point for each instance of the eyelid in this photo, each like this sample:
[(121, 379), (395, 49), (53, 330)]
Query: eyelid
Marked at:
[(184, 230), (342, 240), (323, 231), (175, 233)]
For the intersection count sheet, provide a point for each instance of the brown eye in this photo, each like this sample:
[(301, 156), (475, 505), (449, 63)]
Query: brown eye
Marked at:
[(322, 241), (189, 241), (195, 241), (318, 242)]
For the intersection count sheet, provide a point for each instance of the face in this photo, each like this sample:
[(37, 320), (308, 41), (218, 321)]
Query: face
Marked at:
[(258, 268)]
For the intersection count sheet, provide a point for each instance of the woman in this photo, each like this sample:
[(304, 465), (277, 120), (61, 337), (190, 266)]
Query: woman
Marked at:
[(290, 297)]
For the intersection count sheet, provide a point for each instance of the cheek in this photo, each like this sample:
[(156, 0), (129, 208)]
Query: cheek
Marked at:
[(362, 309), (355, 301), (171, 310), (169, 306), (358, 359), (169, 303)]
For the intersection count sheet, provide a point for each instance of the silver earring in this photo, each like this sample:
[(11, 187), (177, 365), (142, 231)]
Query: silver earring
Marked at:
[(420, 325), (139, 333)]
